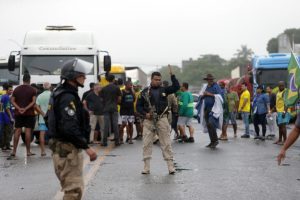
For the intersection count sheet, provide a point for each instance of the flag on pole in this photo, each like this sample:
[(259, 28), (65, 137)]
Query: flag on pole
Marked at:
[(292, 93)]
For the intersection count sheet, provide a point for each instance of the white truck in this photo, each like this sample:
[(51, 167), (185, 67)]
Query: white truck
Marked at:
[(136, 75), (44, 52)]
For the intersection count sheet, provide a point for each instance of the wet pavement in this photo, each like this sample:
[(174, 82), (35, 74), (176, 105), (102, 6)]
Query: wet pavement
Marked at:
[(237, 169)]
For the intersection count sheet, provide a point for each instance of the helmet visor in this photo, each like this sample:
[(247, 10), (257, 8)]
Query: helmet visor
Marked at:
[(82, 66)]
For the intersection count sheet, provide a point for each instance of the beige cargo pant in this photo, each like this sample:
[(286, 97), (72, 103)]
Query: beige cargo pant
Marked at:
[(164, 136), (69, 172)]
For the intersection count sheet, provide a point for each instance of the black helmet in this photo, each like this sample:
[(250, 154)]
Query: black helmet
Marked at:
[(74, 68)]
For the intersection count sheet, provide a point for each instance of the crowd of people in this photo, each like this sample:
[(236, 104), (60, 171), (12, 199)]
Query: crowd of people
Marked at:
[(113, 109), (75, 124)]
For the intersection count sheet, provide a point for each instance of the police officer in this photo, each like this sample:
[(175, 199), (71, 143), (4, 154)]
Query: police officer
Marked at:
[(153, 105), (68, 127)]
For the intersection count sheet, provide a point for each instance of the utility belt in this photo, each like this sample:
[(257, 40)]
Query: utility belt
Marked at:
[(62, 148)]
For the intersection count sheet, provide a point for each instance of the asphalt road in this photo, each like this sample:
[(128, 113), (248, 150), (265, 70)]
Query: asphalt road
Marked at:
[(237, 169)]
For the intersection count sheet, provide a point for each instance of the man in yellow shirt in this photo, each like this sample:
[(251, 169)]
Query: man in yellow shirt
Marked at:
[(244, 109), (283, 117)]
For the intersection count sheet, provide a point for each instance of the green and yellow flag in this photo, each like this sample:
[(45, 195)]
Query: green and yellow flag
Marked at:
[(292, 93)]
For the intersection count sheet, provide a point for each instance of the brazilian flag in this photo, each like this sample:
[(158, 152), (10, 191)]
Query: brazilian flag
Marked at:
[(292, 93)]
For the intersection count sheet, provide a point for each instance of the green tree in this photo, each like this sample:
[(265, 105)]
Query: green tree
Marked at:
[(244, 53), (272, 46)]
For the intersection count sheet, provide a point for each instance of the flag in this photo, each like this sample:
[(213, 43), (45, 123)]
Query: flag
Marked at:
[(292, 93), (297, 77)]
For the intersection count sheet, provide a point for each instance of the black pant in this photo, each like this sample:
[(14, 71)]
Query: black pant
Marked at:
[(211, 127), (111, 118), (174, 122), (260, 119)]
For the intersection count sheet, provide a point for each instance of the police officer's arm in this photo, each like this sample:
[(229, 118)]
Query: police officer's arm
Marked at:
[(69, 123), (174, 87), (175, 84)]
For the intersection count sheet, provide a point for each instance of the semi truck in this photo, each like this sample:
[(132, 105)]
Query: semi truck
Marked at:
[(269, 70), (44, 52), (135, 74)]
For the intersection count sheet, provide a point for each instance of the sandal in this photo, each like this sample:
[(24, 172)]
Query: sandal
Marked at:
[(12, 155), (30, 154), (43, 154)]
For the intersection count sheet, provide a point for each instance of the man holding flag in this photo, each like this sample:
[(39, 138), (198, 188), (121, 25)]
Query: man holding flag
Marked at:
[(291, 99)]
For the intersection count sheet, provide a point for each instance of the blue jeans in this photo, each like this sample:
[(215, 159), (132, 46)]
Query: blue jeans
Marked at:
[(245, 117)]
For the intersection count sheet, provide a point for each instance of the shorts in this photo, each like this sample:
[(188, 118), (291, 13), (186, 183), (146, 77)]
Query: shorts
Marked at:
[(281, 120), (24, 121), (231, 117), (187, 121), (127, 119), (119, 119), (42, 127)]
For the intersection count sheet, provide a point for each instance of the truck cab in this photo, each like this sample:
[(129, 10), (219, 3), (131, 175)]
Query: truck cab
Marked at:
[(44, 52)]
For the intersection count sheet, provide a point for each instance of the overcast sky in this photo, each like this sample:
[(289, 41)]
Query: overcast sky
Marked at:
[(152, 33)]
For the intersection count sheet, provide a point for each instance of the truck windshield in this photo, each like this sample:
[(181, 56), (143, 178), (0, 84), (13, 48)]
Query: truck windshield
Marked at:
[(271, 77), (120, 75), (9, 77), (49, 65)]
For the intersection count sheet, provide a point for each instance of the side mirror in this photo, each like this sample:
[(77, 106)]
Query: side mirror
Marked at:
[(11, 62), (107, 63)]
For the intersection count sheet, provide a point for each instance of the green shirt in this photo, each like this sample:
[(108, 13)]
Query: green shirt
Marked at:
[(186, 104), (232, 99)]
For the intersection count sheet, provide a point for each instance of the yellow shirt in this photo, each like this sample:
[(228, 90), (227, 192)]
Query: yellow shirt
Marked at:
[(280, 101), (245, 95)]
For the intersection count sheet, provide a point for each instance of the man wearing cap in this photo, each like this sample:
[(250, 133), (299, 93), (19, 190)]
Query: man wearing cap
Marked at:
[(68, 126), (211, 90)]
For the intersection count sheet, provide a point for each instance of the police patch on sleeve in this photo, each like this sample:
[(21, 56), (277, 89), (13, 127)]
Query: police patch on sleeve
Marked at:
[(70, 111)]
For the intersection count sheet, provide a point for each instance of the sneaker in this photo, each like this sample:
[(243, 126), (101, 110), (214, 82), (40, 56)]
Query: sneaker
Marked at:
[(209, 145), (245, 136), (214, 145), (262, 138), (257, 137)]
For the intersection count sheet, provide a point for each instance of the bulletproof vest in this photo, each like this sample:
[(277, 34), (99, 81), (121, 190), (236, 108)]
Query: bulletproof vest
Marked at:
[(163, 100), (50, 117)]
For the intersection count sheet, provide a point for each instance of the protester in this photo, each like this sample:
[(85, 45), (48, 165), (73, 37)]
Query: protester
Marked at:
[(271, 118), (283, 117), (111, 95), (137, 116), (261, 107), (8, 117), (293, 136), (244, 109), (153, 105), (93, 103), (42, 103), (232, 100), (212, 98), (85, 94), (186, 112), (23, 99), (127, 111)]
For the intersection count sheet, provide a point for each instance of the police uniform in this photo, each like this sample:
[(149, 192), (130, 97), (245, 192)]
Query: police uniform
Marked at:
[(159, 101), (68, 128)]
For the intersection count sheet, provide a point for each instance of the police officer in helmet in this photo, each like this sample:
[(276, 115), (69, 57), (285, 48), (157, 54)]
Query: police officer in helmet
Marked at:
[(68, 125)]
